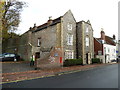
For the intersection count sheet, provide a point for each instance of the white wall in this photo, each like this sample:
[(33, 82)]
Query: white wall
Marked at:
[(101, 57), (110, 52)]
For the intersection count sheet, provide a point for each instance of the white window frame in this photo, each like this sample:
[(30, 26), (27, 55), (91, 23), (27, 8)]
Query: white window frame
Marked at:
[(69, 26), (108, 50), (99, 52), (38, 42), (87, 30), (69, 54), (87, 40), (69, 39)]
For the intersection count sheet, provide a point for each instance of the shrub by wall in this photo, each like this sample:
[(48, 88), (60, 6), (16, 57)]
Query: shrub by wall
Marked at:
[(96, 60), (72, 62)]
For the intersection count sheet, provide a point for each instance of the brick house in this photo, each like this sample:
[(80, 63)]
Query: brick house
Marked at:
[(105, 48), (57, 40)]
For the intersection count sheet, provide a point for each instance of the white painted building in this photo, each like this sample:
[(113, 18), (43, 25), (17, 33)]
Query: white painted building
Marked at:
[(109, 53), (105, 48)]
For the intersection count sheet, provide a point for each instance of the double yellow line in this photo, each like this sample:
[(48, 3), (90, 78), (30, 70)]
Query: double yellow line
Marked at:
[(27, 79)]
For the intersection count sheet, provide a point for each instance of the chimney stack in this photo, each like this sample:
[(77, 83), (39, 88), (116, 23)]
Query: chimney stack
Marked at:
[(34, 24), (102, 34), (50, 20), (114, 37)]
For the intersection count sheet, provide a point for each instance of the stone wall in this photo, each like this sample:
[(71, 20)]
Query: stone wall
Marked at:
[(83, 51), (24, 49), (19, 45), (10, 45), (68, 18), (47, 38), (79, 40)]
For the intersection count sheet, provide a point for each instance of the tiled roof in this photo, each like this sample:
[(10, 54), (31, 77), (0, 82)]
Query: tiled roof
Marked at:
[(108, 40)]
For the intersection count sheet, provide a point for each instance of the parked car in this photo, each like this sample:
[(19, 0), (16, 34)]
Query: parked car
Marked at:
[(118, 59), (113, 60), (9, 57)]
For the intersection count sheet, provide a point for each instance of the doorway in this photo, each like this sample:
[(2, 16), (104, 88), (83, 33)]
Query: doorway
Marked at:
[(86, 58), (37, 55)]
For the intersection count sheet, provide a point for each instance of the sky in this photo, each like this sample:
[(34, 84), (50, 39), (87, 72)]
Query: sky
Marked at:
[(101, 13)]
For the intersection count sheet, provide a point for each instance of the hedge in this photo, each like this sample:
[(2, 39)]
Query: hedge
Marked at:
[(72, 62), (96, 60)]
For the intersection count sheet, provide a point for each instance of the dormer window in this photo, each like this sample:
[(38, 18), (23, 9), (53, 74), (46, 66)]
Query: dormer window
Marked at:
[(39, 42)]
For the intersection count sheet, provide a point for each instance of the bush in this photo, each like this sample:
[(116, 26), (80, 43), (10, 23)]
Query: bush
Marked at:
[(72, 62), (96, 60)]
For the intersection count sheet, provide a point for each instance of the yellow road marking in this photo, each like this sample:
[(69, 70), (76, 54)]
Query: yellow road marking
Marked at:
[(28, 79), (49, 75)]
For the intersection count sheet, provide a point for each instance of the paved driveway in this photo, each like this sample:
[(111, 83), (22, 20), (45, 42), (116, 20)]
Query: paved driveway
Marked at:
[(9, 67)]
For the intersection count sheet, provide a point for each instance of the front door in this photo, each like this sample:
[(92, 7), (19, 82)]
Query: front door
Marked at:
[(87, 58)]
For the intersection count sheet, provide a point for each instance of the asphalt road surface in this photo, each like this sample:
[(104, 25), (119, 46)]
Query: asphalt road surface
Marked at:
[(100, 77)]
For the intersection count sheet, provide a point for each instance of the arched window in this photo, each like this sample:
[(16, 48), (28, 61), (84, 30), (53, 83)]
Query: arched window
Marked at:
[(87, 41)]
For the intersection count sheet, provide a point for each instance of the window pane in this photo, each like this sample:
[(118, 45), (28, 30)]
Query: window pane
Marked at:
[(7, 55), (69, 26), (39, 42), (87, 30), (87, 41), (69, 39), (69, 55), (12, 55)]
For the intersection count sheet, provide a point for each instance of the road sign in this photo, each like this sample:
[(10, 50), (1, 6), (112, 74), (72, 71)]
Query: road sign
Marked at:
[(117, 51)]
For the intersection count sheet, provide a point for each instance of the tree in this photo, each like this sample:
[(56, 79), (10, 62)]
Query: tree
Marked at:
[(1, 13), (11, 17)]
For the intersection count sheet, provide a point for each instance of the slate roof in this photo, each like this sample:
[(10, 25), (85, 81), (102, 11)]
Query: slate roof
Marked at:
[(45, 25)]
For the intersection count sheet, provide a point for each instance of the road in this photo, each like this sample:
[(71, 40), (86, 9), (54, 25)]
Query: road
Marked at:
[(100, 77)]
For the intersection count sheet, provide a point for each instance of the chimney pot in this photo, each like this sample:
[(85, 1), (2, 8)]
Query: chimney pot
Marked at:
[(113, 36), (50, 18)]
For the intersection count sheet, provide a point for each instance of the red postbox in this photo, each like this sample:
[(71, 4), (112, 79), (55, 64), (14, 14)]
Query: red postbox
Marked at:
[(60, 59)]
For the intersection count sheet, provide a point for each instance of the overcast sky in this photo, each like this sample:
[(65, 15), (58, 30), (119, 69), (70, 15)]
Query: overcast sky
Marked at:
[(101, 13)]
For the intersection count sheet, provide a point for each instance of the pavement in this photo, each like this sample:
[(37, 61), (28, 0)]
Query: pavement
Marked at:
[(34, 74), (20, 66)]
